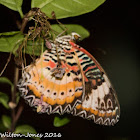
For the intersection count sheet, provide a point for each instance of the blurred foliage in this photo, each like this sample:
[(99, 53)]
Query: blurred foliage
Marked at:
[(4, 98), (24, 129), (58, 122), (6, 120)]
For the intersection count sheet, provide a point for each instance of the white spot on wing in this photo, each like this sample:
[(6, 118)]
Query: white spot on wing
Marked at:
[(87, 103), (105, 88), (94, 96), (101, 92), (69, 79)]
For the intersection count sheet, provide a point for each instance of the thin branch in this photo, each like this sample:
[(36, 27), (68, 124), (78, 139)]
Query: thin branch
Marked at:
[(20, 109), (14, 98), (15, 84), (15, 116), (8, 60), (24, 23)]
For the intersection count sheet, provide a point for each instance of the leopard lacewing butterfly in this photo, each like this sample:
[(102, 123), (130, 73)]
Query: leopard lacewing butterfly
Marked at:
[(68, 79)]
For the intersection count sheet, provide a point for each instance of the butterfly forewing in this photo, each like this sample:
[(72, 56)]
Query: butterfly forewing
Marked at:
[(54, 82)]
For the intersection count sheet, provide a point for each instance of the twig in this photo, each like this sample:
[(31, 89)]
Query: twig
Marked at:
[(20, 109), (8, 60), (24, 23), (14, 98), (15, 116)]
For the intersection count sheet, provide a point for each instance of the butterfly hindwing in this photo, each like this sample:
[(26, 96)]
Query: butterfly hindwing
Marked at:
[(100, 102)]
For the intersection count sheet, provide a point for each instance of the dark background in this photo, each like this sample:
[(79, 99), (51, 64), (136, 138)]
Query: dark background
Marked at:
[(114, 29)]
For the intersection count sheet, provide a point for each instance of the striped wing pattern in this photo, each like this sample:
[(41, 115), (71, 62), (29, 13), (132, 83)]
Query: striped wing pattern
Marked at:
[(68, 79)]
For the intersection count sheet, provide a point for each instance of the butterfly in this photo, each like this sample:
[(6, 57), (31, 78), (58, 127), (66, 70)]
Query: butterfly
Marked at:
[(68, 79)]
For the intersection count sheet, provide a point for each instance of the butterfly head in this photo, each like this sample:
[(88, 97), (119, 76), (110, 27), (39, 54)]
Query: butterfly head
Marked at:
[(75, 37)]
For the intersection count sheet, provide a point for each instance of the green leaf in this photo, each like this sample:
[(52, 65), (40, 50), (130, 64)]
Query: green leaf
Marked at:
[(2, 127), (6, 121), (5, 80), (24, 129), (66, 8), (4, 99), (9, 41), (58, 122), (34, 48), (13, 4), (72, 28), (10, 33)]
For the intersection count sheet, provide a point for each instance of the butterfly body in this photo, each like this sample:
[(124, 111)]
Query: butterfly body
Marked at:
[(68, 79)]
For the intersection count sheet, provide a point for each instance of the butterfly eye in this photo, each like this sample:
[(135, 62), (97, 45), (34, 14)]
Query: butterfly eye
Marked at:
[(75, 37)]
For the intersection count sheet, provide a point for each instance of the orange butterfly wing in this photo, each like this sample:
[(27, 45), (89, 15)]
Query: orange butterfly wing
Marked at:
[(52, 84)]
